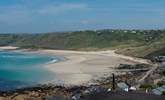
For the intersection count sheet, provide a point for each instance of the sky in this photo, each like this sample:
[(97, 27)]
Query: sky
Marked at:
[(36, 16)]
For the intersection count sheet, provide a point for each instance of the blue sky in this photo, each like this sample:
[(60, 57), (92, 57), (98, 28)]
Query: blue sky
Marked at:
[(69, 15)]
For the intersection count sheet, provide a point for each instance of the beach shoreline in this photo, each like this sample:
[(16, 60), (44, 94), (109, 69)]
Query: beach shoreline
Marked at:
[(81, 67), (8, 48)]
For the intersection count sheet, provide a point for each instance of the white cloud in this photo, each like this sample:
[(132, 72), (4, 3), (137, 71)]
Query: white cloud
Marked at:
[(85, 22), (14, 15), (54, 9), (22, 14)]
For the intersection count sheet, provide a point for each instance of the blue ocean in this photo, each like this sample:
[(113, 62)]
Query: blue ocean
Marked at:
[(19, 70)]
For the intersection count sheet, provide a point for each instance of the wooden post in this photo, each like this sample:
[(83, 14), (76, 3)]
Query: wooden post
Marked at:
[(113, 81)]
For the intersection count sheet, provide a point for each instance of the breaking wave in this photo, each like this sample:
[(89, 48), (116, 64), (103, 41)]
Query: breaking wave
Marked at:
[(53, 61)]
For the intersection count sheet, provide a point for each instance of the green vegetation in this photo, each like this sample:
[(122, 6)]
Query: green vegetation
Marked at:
[(163, 92), (163, 73), (160, 84), (146, 86), (138, 43)]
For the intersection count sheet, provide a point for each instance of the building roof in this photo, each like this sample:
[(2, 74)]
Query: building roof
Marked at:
[(159, 90), (122, 85)]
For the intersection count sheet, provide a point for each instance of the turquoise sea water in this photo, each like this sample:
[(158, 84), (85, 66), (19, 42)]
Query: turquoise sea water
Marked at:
[(19, 70)]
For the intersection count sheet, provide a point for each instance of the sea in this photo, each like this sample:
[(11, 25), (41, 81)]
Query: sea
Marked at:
[(21, 70)]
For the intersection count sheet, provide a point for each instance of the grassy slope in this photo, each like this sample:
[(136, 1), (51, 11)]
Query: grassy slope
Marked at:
[(139, 44)]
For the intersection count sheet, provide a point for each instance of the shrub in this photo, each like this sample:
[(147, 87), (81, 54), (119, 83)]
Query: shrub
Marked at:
[(163, 73), (163, 92), (146, 86), (161, 84)]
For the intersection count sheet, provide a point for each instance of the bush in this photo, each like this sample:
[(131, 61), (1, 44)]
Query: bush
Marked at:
[(163, 92), (161, 84), (163, 73), (146, 86)]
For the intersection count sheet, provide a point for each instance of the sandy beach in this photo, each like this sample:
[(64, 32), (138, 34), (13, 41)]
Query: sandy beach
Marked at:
[(8, 48), (81, 67)]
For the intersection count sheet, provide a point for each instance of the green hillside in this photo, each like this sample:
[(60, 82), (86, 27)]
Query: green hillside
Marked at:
[(128, 42)]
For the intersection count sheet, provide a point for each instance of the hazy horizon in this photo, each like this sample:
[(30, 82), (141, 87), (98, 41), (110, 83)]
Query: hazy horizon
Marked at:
[(40, 16)]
